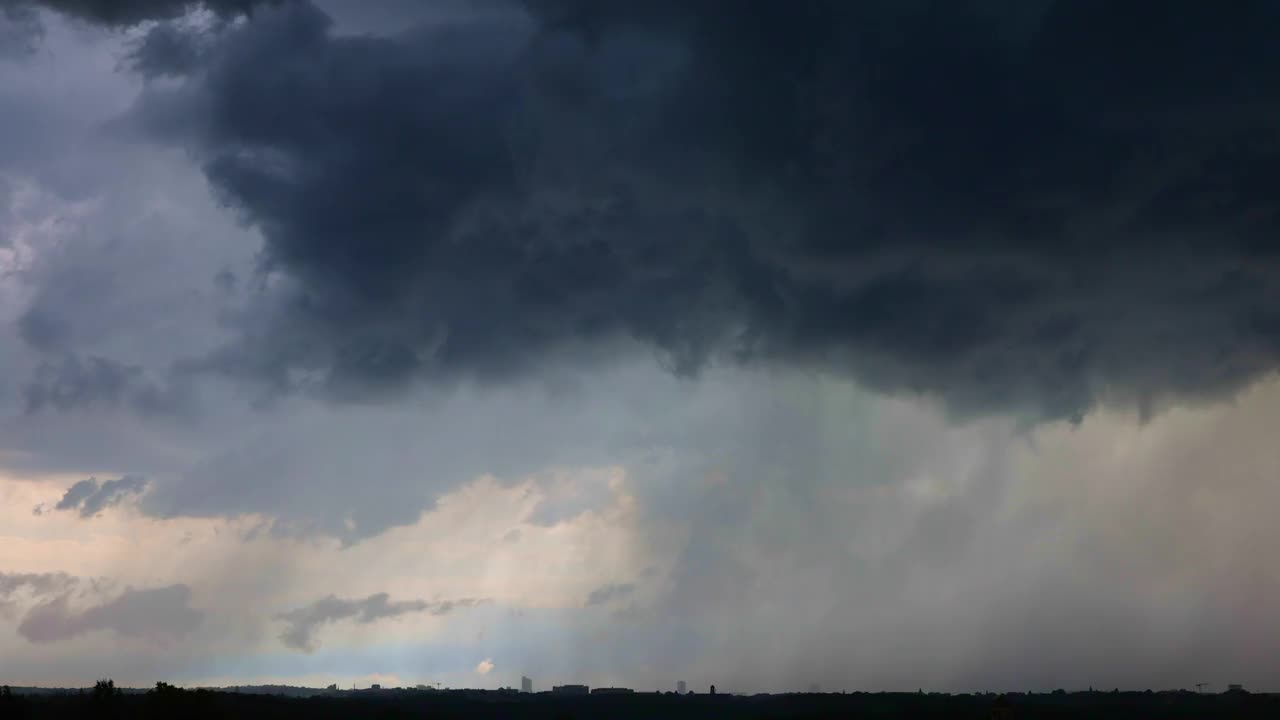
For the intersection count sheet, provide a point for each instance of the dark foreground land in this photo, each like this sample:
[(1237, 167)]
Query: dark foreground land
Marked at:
[(174, 703)]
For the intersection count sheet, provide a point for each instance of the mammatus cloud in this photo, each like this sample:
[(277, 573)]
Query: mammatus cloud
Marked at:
[(89, 497), (157, 615), (605, 593), (301, 623), (979, 219)]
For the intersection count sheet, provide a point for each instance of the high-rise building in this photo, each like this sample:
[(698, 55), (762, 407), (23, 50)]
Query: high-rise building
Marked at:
[(526, 684), (681, 687)]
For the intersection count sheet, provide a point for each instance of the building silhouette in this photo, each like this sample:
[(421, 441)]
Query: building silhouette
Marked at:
[(681, 687), (570, 690), (526, 684), (612, 691)]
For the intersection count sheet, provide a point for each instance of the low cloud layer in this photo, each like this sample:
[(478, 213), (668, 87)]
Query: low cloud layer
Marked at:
[(605, 594), (158, 615), (302, 623), (36, 585), (72, 383), (89, 497)]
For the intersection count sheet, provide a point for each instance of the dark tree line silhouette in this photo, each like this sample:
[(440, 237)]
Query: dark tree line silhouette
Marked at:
[(106, 701)]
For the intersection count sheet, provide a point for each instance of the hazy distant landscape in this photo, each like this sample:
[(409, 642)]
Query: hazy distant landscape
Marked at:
[(281, 701)]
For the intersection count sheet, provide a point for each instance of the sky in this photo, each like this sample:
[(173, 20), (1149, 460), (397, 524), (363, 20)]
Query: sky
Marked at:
[(875, 344)]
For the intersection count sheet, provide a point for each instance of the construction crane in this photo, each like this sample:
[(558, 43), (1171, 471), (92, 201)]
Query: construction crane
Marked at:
[(1200, 686)]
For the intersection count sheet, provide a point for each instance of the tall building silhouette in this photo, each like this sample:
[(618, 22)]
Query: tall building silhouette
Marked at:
[(526, 684), (681, 687)]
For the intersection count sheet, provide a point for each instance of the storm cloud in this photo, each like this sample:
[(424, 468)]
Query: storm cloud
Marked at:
[(1014, 211), (156, 615), (37, 584), (89, 497), (20, 31), (606, 593), (72, 383), (129, 12), (302, 623), (685, 331)]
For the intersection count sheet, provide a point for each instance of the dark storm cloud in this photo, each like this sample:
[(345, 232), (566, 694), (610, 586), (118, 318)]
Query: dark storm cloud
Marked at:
[(157, 615), (20, 31), (89, 498), (1027, 207), (131, 12), (606, 593), (301, 623), (76, 494), (166, 49), (97, 383)]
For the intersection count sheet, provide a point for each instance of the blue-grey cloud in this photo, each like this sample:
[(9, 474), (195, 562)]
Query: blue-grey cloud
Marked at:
[(607, 593), (167, 49), (119, 13), (89, 497), (72, 383), (158, 615), (38, 584), (301, 623), (20, 32)]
